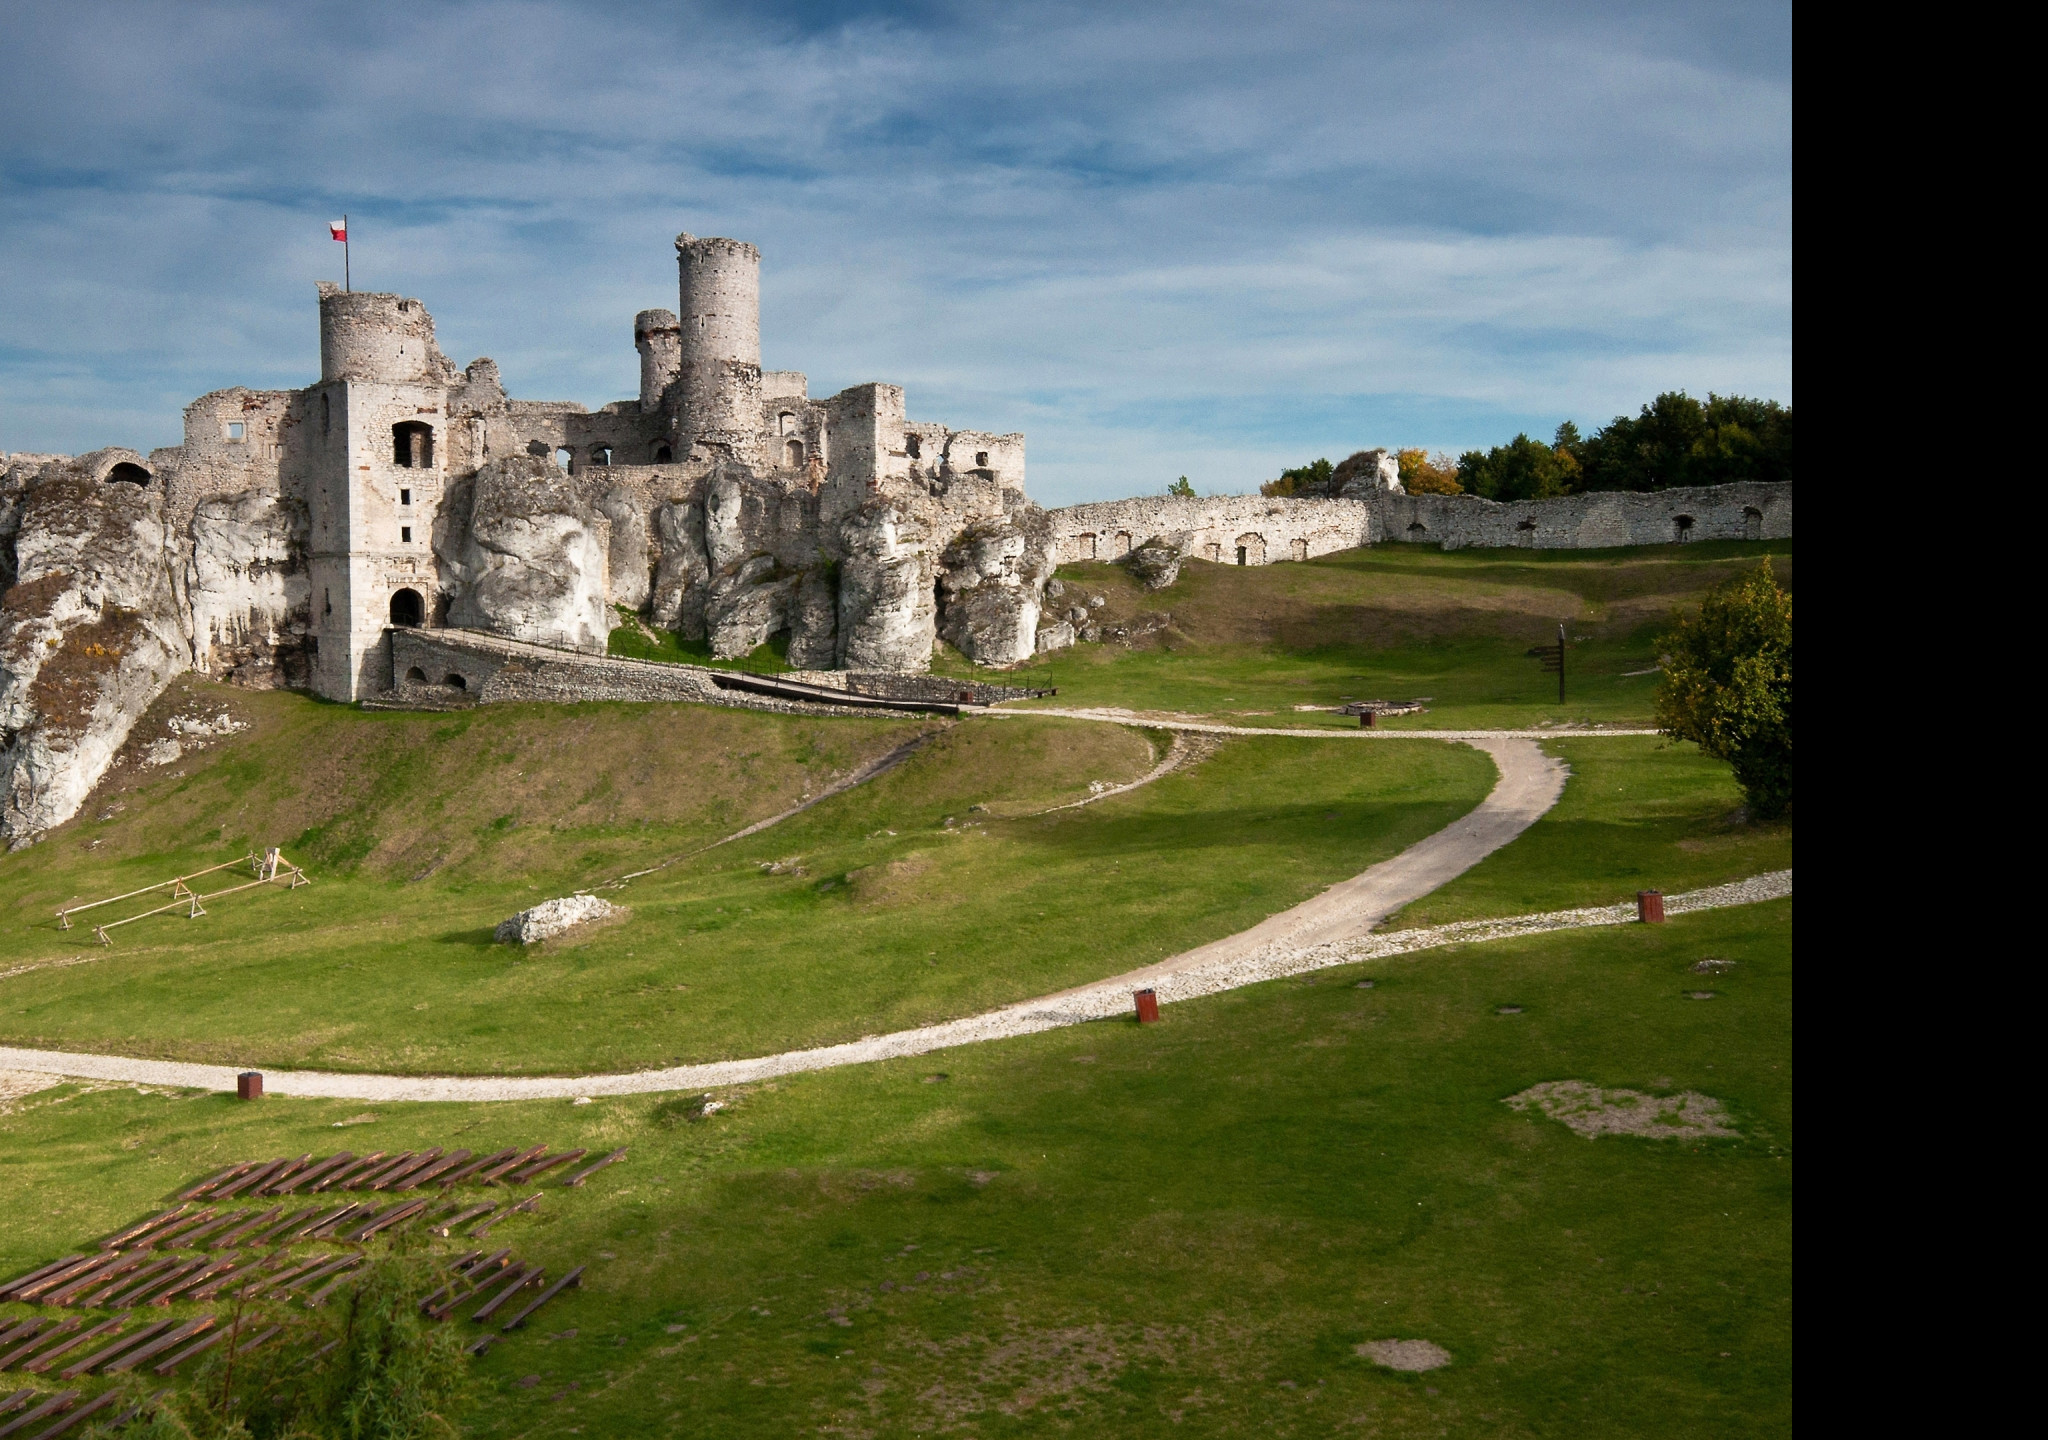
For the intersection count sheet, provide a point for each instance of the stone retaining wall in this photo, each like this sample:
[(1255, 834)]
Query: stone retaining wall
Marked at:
[(426, 663)]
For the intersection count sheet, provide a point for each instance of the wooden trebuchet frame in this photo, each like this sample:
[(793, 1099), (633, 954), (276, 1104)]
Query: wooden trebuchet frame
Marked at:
[(269, 868)]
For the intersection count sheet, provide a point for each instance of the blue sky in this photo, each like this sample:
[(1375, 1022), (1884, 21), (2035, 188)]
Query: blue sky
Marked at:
[(1201, 239)]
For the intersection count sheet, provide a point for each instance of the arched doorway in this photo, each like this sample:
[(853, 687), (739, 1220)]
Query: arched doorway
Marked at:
[(1251, 549), (408, 608)]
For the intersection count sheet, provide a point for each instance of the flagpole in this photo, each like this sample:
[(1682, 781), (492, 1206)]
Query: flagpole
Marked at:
[(347, 280)]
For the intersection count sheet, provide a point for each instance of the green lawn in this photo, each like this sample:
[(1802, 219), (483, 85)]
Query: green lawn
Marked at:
[(886, 916), (1179, 1230), (1396, 622), (1638, 813)]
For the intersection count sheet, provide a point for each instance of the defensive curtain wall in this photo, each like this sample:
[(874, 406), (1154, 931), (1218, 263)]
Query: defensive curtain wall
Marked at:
[(1258, 530)]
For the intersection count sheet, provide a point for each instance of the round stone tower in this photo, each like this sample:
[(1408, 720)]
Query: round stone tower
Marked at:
[(384, 339), (659, 339), (719, 316)]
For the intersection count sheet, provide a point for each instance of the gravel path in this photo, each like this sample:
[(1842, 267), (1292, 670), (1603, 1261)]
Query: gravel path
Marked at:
[(1102, 1000), (1162, 720)]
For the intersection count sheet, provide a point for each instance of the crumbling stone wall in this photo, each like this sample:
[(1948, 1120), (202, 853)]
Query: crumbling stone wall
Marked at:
[(1213, 528), (1748, 511)]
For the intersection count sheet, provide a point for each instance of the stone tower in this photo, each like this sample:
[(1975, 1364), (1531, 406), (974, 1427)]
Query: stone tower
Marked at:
[(377, 458), (719, 314), (659, 340)]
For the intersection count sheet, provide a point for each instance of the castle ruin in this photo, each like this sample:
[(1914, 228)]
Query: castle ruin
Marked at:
[(314, 537)]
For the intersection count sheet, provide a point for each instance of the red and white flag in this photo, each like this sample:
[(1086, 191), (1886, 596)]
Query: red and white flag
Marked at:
[(338, 229)]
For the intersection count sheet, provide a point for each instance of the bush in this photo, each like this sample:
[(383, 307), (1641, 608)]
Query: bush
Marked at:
[(1181, 488), (391, 1374), (1727, 686), (1312, 478)]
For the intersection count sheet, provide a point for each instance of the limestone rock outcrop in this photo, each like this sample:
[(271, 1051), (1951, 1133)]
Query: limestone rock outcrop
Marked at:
[(887, 608), (89, 634), (1156, 562), (747, 606), (992, 577), (552, 917), (681, 582), (248, 591), (814, 621), (530, 558)]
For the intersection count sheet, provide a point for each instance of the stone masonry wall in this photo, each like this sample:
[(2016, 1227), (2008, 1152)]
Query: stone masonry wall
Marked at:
[(1276, 528), (1596, 521), (492, 670), (1268, 529)]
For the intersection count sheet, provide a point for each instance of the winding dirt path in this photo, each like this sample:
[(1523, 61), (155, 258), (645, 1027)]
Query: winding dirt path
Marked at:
[(1529, 784)]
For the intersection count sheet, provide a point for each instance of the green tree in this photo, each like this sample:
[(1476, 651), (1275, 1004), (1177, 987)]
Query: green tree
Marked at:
[(1727, 686), (1310, 479), (1522, 469), (1678, 440), (1181, 488)]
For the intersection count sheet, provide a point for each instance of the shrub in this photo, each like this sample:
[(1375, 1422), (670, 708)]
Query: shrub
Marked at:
[(1727, 686)]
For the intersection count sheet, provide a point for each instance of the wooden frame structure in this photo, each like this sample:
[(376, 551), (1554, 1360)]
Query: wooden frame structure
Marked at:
[(269, 868)]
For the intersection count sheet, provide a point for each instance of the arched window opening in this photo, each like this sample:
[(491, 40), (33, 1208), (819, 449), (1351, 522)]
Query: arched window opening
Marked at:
[(564, 459), (1298, 549), (128, 473), (1123, 542), (1213, 553), (1416, 527), (416, 676), (407, 608), (913, 447), (785, 423), (412, 445), (793, 454), (1681, 526), (1752, 523), (1251, 549), (600, 454), (663, 455), (981, 459), (1086, 547), (456, 682)]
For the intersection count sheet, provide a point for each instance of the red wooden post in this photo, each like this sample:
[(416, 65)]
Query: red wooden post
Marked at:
[(1650, 906), (1148, 1007), (249, 1085)]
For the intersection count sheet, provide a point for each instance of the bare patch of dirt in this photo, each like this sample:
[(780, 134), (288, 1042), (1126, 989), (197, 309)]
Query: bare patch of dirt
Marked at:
[(1592, 1112), (892, 884), (17, 1084), (1406, 1354)]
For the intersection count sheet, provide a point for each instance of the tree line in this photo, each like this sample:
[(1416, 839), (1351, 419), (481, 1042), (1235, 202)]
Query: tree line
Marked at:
[(1675, 441)]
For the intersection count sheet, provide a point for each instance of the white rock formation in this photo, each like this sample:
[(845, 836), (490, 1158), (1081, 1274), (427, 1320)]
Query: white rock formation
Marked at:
[(992, 576), (248, 590), (552, 917), (887, 607), (89, 635), (533, 560)]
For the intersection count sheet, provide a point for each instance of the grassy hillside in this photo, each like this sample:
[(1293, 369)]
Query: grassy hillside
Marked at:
[(424, 831), (1186, 1229), (1395, 623)]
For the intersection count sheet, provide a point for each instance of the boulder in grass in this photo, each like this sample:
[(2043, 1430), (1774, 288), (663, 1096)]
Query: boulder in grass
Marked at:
[(552, 917)]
